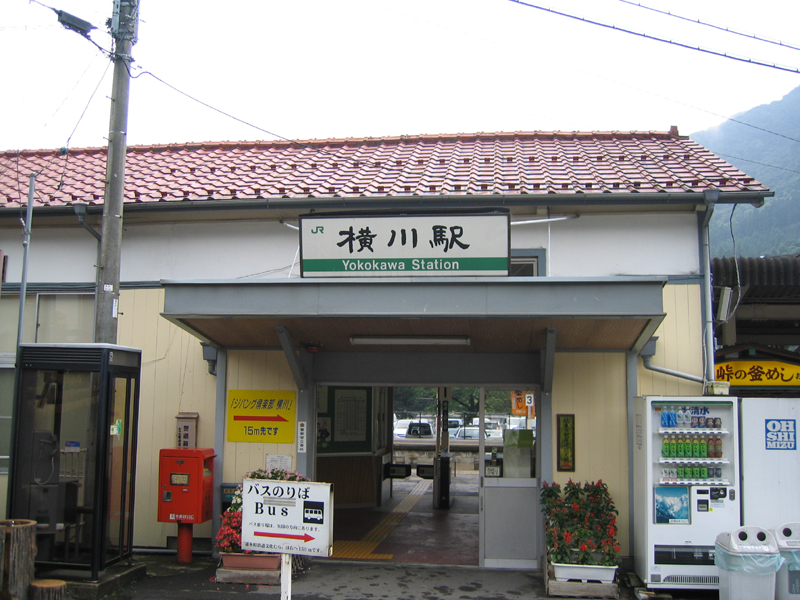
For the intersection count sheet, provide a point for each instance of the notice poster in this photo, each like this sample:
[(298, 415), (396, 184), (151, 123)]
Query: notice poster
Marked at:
[(671, 504), (350, 415), (345, 425)]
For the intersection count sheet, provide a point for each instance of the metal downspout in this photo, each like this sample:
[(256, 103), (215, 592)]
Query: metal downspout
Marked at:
[(86, 226), (711, 196), (646, 361)]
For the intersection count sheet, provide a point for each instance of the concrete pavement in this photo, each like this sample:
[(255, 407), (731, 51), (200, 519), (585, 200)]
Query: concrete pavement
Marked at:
[(335, 580), (327, 579)]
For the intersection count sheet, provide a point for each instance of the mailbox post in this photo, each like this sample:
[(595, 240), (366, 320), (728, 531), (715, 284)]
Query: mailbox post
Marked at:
[(185, 488)]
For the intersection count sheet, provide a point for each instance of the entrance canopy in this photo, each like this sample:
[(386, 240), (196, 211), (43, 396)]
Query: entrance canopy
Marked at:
[(504, 315)]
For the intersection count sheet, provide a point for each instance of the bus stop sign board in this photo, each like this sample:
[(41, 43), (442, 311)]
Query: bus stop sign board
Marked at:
[(289, 517)]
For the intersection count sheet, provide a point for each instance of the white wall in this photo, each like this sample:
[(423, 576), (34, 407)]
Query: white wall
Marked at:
[(605, 245), (590, 246), (226, 250)]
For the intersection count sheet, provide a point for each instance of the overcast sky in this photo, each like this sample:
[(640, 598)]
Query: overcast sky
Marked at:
[(307, 69)]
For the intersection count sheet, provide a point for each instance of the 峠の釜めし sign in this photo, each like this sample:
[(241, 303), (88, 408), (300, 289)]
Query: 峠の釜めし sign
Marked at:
[(759, 373), (405, 245), (262, 416), (290, 517)]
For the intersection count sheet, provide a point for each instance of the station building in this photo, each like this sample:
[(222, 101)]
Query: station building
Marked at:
[(327, 272)]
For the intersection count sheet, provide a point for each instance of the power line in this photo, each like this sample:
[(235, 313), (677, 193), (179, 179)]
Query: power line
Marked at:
[(383, 164), (66, 147), (97, 87), (755, 162), (638, 89), (323, 151), (663, 40), (215, 109), (717, 27)]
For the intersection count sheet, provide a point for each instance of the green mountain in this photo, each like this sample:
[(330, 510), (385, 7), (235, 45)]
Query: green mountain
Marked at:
[(769, 151)]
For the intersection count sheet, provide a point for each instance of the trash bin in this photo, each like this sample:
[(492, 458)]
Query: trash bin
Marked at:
[(747, 559), (787, 581)]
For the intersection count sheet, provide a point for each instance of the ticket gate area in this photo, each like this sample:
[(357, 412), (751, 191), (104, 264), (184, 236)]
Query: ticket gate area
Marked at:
[(440, 470)]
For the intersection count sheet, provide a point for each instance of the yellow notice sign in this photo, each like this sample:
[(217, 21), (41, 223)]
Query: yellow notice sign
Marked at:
[(262, 416), (759, 373)]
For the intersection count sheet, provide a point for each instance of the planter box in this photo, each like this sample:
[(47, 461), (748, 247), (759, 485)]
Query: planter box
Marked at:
[(248, 576), (584, 573), (263, 569), (251, 562), (581, 583)]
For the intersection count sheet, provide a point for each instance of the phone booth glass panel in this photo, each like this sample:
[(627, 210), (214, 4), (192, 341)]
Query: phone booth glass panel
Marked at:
[(74, 451)]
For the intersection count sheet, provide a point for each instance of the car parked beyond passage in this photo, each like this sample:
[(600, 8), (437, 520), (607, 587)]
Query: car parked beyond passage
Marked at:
[(418, 429), (401, 426), (468, 432)]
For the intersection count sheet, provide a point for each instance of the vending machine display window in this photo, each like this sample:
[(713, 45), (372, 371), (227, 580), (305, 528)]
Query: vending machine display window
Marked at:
[(671, 504)]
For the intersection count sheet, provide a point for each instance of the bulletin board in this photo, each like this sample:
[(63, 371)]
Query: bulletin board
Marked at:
[(344, 420)]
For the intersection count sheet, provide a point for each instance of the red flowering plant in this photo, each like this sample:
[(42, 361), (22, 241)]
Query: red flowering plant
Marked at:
[(580, 524), (229, 536)]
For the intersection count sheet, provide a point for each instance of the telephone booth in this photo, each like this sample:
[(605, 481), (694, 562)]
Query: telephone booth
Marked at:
[(74, 452)]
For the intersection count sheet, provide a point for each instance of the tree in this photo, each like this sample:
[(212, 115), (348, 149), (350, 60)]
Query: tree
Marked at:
[(465, 401)]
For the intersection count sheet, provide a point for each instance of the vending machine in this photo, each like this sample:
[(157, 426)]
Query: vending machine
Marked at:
[(686, 487), (770, 461)]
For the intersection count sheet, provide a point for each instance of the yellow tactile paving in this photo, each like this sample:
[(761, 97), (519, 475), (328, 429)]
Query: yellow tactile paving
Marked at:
[(364, 547)]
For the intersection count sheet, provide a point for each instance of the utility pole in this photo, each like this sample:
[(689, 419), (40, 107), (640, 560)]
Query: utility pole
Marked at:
[(123, 30)]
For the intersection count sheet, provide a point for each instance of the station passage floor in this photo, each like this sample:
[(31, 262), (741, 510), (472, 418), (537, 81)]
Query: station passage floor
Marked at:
[(407, 529)]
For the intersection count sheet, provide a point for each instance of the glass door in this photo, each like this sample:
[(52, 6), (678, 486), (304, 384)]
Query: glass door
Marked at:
[(120, 458), (509, 489)]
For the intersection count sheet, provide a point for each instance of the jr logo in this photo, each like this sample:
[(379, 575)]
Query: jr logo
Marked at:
[(780, 434), (318, 229)]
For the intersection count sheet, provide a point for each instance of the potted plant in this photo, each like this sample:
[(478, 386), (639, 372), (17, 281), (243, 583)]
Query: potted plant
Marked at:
[(580, 531), (229, 536)]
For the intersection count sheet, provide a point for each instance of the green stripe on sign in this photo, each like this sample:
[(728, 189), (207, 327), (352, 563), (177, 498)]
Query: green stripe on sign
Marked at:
[(406, 265)]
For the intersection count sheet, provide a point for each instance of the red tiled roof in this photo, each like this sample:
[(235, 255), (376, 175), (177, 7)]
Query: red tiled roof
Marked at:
[(538, 163)]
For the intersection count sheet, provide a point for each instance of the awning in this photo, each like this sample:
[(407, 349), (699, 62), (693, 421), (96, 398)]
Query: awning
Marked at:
[(504, 315)]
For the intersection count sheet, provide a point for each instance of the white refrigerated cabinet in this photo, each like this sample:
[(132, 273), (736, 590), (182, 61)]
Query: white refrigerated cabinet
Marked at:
[(677, 519), (770, 461)]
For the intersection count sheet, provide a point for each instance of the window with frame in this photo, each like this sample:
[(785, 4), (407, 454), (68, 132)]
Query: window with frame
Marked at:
[(49, 318), (526, 263), (6, 407)]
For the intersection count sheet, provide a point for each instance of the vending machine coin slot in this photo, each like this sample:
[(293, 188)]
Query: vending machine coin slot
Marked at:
[(719, 493)]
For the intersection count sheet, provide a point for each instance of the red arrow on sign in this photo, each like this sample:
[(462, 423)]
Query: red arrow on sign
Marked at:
[(249, 418), (305, 537)]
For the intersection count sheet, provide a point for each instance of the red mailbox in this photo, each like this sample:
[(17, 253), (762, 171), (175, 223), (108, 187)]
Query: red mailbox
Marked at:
[(185, 485)]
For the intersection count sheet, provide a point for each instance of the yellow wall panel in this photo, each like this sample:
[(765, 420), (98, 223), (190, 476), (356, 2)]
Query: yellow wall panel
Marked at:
[(592, 386), (256, 370), (174, 379), (679, 346)]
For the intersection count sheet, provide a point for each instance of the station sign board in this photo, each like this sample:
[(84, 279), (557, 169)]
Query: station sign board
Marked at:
[(289, 517), (405, 245)]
